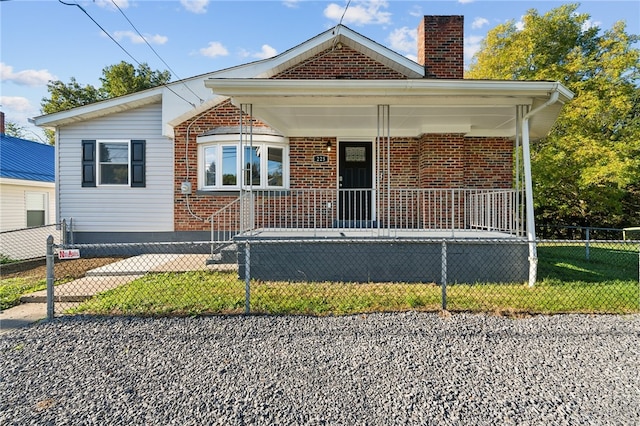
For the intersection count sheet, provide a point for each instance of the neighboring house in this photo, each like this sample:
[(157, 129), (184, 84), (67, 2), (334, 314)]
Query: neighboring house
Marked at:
[(337, 133), (27, 183)]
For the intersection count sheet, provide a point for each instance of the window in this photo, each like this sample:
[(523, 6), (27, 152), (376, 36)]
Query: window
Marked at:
[(36, 203), (113, 162), (263, 165)]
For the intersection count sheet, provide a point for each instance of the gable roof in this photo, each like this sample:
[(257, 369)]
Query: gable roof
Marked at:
[(25, 159), (176, 110)]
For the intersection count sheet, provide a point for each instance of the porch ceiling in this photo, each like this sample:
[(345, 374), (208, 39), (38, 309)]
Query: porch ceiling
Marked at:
[(348, 108)]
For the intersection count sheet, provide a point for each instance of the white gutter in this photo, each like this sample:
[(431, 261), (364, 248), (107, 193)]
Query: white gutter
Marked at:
[(528, 187)]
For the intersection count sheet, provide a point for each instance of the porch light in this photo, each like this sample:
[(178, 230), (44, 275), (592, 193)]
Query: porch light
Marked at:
[(328, 146)]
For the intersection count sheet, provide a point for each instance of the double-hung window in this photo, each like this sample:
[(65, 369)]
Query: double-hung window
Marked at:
[(113, 162), (225, 164)]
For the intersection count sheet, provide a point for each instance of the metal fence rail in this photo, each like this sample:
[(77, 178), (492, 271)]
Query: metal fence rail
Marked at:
[(340, 276), (28, 243)]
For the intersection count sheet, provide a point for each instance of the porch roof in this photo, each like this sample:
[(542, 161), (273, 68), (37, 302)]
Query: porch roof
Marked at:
[(348, 108)]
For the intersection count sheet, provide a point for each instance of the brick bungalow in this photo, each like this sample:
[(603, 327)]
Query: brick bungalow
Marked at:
[(338, 135)]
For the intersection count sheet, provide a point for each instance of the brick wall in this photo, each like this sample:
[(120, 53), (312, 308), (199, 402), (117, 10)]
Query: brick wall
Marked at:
[(441, 46), (186, 154), (340, 63), (454, 161)]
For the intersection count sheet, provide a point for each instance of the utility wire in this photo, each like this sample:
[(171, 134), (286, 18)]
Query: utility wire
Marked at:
[(154, 51), (335, 39), (120, 46)]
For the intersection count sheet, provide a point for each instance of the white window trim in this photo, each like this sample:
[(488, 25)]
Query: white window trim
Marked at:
[(263, 141), (45, 200), (99, 163)]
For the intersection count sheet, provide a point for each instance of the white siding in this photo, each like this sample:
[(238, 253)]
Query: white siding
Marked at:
[(13, 202), (114, 208)]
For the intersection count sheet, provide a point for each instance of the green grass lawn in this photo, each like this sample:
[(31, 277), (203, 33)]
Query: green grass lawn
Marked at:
[(606, 283), (12, 288), (567, 282)]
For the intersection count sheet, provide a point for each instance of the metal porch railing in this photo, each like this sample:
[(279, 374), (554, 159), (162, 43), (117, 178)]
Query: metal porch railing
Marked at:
[(441, 209)]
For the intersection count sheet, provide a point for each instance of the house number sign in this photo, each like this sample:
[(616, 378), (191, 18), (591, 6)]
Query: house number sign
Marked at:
[(320, 158)]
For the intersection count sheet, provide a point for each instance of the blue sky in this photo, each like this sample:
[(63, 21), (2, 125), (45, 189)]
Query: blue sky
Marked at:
[(47, 40)]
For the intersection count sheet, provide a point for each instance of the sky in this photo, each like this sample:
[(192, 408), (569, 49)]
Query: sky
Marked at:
[(46, 40)]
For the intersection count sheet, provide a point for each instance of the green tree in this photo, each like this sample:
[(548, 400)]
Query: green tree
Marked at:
[(14, 129), (587, 170), (123, 78), (117, 80), (70, 95)]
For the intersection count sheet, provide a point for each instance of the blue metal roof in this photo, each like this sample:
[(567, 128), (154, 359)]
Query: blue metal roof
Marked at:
[(25, 159)]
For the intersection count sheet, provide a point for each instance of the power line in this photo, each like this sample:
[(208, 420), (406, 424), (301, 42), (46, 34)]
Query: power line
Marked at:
[(154, 51), (121, 47)]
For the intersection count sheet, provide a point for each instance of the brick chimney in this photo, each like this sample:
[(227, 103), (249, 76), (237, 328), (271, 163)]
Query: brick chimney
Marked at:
[(1, 122), (441, 46)]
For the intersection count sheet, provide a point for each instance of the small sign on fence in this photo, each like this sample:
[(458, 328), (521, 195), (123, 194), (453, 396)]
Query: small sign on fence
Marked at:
[(69, 254)]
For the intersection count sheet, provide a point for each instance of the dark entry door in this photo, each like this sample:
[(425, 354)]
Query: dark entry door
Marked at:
[(355, 170)]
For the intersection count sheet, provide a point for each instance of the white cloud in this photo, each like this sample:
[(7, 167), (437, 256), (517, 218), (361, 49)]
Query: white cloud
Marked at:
[(361, 12), (404, 39), (136, 39), (214, 49), (108, 4), (195, 6), (588, 24), (416, 11), (15, 103), (479, 23), (30, 78), (266, 52), (291, 3), (471, 46), (465, 1)]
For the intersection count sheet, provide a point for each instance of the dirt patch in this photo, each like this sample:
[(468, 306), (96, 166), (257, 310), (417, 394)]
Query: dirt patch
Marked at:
[(75, 268)]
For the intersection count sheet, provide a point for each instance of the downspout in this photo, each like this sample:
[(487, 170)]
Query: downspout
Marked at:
[(528, 187)]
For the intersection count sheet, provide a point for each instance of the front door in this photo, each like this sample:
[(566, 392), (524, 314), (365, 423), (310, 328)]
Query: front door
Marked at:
[(355, 177)]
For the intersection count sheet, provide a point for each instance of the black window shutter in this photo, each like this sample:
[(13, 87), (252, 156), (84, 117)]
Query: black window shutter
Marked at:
[(88, 163), (137, 163)]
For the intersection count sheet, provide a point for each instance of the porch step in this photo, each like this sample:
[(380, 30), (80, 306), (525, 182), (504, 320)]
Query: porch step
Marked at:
[(224, 254)]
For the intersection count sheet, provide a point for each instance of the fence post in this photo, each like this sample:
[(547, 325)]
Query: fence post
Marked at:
[(64, 232), (50, 278), (586, 245), (247, 278), (443, 276)]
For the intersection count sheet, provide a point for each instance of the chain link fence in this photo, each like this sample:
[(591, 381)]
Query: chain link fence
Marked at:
[(342, 276)]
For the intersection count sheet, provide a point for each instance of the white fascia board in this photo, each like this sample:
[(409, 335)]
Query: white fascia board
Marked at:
[(256, 88), (325, 40), (25, 182), (99, 109)]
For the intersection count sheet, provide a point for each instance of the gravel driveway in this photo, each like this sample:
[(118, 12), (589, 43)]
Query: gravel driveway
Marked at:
[(381, 369)]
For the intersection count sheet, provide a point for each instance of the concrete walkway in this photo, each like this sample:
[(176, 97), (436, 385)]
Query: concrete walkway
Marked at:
[(34, 305)]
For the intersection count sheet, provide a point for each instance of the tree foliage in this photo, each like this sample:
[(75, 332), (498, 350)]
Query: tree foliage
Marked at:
[(14, 129), (587, 170), (117, 80), (123, 78)]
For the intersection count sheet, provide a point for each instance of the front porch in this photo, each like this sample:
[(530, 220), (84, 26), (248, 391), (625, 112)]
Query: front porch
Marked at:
[(405, 236), (433, 213)]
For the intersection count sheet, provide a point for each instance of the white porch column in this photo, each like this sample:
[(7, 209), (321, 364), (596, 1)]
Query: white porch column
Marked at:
[(528, 190), (528, 186), (383, 174), (247, 208)]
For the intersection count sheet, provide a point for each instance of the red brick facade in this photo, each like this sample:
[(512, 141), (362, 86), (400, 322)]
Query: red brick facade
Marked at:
[(340, 62), (427, 161), (441, 46)]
